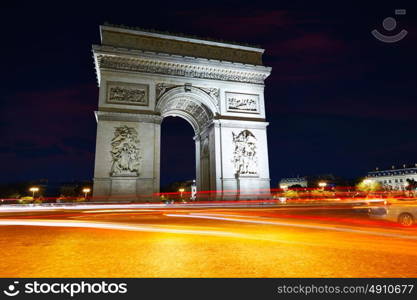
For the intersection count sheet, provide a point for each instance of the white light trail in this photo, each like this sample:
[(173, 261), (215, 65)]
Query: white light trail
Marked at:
[(34, 208), (286, 224), (111, 226), (115, 211)]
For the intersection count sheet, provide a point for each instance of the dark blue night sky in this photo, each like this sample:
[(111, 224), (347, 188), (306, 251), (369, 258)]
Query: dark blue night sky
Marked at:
[(338, 101)]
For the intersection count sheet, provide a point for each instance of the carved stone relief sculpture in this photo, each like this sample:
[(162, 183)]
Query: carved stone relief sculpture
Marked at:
[(242, 102), (125, 152), (125, 93), (245, 158), (161, 88), (214, 93)]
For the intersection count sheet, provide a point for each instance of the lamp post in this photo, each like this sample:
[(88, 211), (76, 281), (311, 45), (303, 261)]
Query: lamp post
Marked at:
[(86, 191), (34, 189), (193, 190), (283, 187), (369, 186), (367, 181), (181, 190), (322, 184)]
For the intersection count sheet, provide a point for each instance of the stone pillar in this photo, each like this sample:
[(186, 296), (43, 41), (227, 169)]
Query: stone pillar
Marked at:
[(243, 164), (197, 162), (127, 166)]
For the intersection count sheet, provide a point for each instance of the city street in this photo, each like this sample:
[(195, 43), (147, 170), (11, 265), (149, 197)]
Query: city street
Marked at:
[(161, 241)]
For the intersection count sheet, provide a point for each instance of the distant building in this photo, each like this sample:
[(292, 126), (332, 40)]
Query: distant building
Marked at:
[(289, 182), (314, 181), (394, 178)]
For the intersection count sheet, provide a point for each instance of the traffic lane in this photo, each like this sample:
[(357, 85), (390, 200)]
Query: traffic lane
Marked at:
[(219, 220), (267, 251), (340, 217), (328, 216), (352, 216), (281, 212), (261, 229)]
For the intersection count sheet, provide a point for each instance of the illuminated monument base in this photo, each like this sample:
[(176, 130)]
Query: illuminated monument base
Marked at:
[(218, 88)]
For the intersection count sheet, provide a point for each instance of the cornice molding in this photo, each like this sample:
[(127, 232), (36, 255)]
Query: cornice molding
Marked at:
[(110, 58)]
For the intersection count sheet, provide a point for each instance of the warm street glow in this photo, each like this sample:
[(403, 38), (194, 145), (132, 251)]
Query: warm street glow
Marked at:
[(34, 189), (158, 240), (322, 184), (86, 190)]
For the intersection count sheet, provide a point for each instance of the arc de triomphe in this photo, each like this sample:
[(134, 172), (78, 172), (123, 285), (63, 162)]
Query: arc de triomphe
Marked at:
[(217, 87)]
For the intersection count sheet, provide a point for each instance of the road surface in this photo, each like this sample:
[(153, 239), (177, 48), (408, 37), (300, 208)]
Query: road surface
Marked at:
[(204, 242)]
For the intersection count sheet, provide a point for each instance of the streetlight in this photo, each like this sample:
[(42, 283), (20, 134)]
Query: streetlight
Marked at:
[(322, 184), (181, 190), (34, 189), (367, 181), (193, 190), (86, 191)]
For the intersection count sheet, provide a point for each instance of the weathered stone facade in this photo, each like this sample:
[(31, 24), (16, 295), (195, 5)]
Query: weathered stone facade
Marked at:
[(217, 87)]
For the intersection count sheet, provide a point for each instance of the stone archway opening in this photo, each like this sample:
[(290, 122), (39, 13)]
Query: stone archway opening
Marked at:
[(197, 108), (177, 162)]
